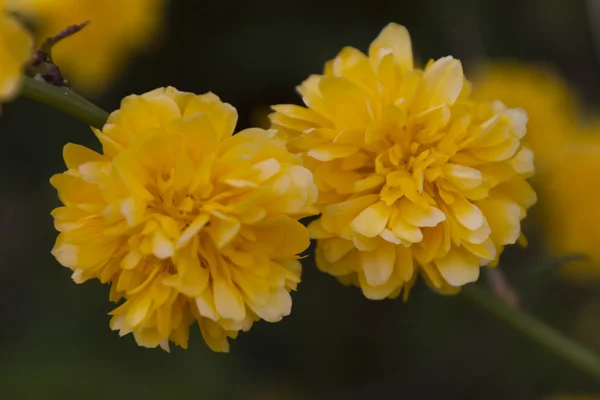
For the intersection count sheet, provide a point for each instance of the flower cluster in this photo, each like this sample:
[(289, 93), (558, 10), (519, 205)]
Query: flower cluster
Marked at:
[(187, 222), (413, 174)]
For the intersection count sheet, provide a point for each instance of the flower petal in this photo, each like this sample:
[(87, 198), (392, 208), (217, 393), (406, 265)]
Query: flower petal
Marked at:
[(372, 220), (379, 263), (458, 267), (393, 38)]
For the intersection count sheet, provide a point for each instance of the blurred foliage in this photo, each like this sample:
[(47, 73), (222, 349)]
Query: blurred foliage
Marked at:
[(336, 344)]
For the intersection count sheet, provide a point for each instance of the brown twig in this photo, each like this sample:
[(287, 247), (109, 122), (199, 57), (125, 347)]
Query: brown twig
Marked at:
[(41, 65)]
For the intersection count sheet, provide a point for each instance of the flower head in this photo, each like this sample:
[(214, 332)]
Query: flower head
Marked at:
[(567, 153), (117, 30), (549, 102), (187, 222), (413, 175), (570, 195), (15, 50)]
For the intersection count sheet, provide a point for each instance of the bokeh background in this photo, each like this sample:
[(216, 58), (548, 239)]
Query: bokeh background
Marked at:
[(55, 342)]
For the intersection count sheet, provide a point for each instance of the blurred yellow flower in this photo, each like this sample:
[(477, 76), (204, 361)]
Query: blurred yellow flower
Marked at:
[(15, 49), (118, 29), (186, 221), (567, 153), (570, 194), (412, 174), (545, 96)]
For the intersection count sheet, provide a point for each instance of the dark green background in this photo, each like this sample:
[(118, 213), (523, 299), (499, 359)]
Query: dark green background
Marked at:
[(55, 342)]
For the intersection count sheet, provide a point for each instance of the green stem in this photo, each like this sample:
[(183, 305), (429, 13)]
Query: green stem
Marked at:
[(579, 356), (66, 100)]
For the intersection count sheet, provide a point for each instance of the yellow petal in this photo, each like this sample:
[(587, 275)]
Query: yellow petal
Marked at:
[(228, 300), (504, 218), (214, 335), (522, 162), (352, 64), (458, 267), (485, 250), (317, 231), (198, 223), (138, 311), (432, 276), (138, 114), (476, 236), (163, 324), (131, 260), (368, 183), (75, 191), (442, 83), (267, 169), (75, 155), (197, 133), (390, 236), (379, 263), (405, 231), (311, 95), (517, 120), (372, 220), (254, 288), (376, 292), (222, 116), (191, 277), (500, 152), (300, 193), (467, 213), (224, 231), (133, 175), (347, 102), (337, 217), (302, 113), (417, 216), (335, 248), (393, 38), (206, 305), (464, 178), (133, 210), (162, 247), (281, 237), (278, 306), (65, 254), (363, 243), (344, 266), (149, 338), (403, 265), (519, 190), (330, 152)]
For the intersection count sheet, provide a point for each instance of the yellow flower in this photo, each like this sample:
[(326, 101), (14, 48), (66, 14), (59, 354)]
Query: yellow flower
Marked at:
[(567, 152), (412, 174), (570, 196), (186, 221), (15, 49), (545, 96), (92, 57)]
